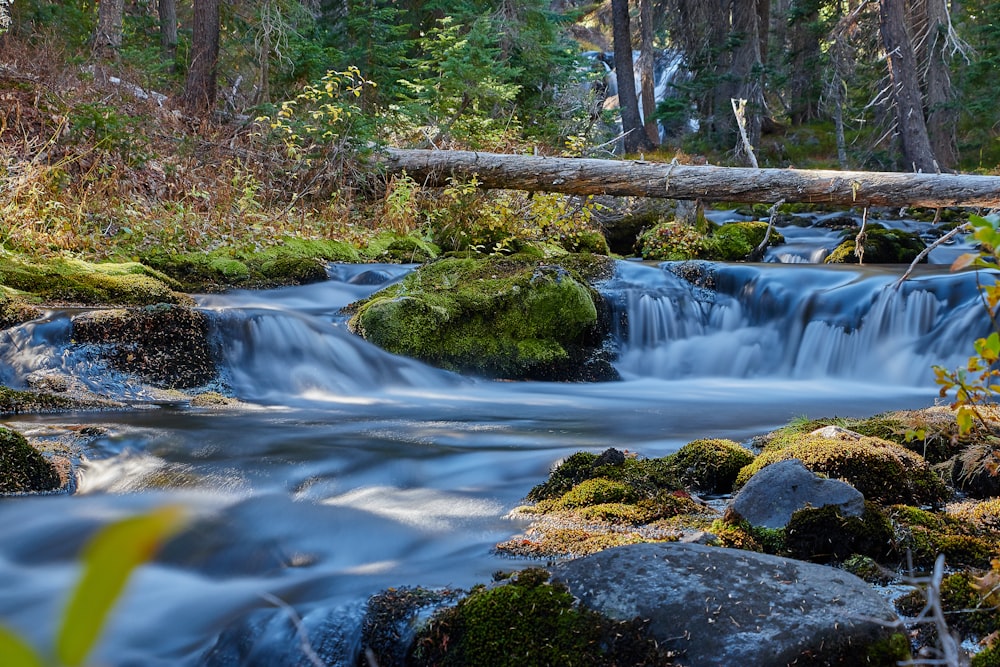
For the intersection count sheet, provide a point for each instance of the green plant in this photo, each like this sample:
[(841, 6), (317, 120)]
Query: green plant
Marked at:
[(108, 560), (975, 384)]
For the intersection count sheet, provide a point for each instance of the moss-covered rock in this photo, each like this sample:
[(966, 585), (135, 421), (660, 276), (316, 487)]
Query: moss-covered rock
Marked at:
[(22, 468), (737, 241), (824, 534), (595, 491), (76, 281), (673, 241), (645, 477), (926, 534), (883, 471), (404, 248), (165, 345), (882, 246), (530, 622), (291, 261), (970, 603), (710, 465), (15, 402), (14, 309), (508, 318)]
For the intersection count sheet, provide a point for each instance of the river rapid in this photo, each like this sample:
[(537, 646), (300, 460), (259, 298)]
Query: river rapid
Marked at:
[(350, 470)]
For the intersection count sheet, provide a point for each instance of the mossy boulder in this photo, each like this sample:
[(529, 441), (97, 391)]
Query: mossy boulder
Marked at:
[(737, 241), (404, 248), (76, 281), (881, 246), (15, 310), (926, 534), (22, 468), (644, 477), (824, 534), (512, 318), (291, 261), (673, 241), (529, 621), (710, 465), (165, 345), (883, 471)]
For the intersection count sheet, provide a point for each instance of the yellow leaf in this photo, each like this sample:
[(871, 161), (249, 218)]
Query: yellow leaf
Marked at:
[(964, 260), (15, 652)]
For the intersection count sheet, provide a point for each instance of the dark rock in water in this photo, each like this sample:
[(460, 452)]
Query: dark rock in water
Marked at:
[(22, 468), (731, 607), (165, 345), (779, 490), (269, 637), (881, 246), (392, 619)]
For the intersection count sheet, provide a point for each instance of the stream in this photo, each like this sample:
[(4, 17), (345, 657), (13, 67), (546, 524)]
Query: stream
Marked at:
[(351, 470)]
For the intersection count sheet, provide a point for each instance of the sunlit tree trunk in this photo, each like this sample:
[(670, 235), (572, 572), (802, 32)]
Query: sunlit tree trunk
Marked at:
[(647, 60), (912, 128), (635, 135), (200, 86), (168, 28), (108, 36)]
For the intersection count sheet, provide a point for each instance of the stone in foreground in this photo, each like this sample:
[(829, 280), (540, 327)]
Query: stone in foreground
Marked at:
[(731, 607)]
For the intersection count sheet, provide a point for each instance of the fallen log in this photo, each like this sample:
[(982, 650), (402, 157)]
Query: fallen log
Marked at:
[(639, 178)]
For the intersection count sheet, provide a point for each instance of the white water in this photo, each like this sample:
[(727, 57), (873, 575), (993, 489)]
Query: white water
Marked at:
[(353, 470)]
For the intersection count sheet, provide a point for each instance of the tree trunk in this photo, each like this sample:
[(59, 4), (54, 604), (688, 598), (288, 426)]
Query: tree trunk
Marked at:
[(647, 62), (942, 117), (673, 181), (200, 86), (804, 85), (108, 36), (902, 64), (745, 68), (168, 29), (635, 134)]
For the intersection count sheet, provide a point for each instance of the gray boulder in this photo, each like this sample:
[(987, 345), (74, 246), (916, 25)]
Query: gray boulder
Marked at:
[(779, 490), (731, 607)]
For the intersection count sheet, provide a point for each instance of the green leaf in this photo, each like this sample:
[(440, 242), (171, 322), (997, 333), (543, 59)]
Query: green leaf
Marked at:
[(108, 560), (15, 652)]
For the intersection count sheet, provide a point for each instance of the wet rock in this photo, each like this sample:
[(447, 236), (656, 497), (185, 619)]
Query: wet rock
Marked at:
[(729, 607), (165, 345), (392, 620), (779, 490), (22, 468), (881, 246)]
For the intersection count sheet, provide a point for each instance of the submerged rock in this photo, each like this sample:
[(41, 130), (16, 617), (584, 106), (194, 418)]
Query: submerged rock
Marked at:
[(511, 318), (729, 607), (165, 345), (779, 490)]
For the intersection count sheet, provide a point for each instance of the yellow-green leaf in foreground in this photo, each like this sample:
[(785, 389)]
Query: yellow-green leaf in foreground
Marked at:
[(109, 558), (15, 652)]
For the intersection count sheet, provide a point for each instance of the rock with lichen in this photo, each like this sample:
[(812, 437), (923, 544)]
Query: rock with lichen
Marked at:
[(165, 345)]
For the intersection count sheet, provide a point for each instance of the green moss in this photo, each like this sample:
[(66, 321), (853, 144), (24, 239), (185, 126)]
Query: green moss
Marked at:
[(596, 491), (988, 657), (883, 471), (882, 246), (672, 241), (647, 478), (22, 468), (526, 622), (868, 569), (888, 652), (498, 317), (967, 610), (14, 309), (14, 402), (824, 534), (710, 465), (405, 248), (927, 534), (76, 281), (735, 241)]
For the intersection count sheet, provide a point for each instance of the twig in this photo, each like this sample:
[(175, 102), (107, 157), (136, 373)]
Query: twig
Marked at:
[(933, 612), (926, 251), (300, 629), (773, 212), (859, 240)]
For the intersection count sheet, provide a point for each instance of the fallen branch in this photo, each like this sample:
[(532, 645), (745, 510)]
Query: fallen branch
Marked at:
[(926, 251)]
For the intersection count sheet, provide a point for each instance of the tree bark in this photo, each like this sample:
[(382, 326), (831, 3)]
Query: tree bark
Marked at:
[(647, 61), (200, 86), (673, 181), (628, 102), (942, 117), (168, 28), (108, 36), (912, 128), (805, 84)]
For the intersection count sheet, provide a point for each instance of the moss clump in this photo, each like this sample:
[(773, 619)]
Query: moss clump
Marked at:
[(709, 465), (15, 310), (22, 468), (76, 281), (549, 542), (882, 246), (404, 248), (927, 534), (672, 241), (969, 608), (497, 317), (526, 622), (868, 569), (596, 491), (736, 241), (824, 534), (982, 515), (883, 471), (645, 477), (14, 402)]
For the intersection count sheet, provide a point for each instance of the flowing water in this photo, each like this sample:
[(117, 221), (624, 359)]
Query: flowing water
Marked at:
[(351, 470)]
